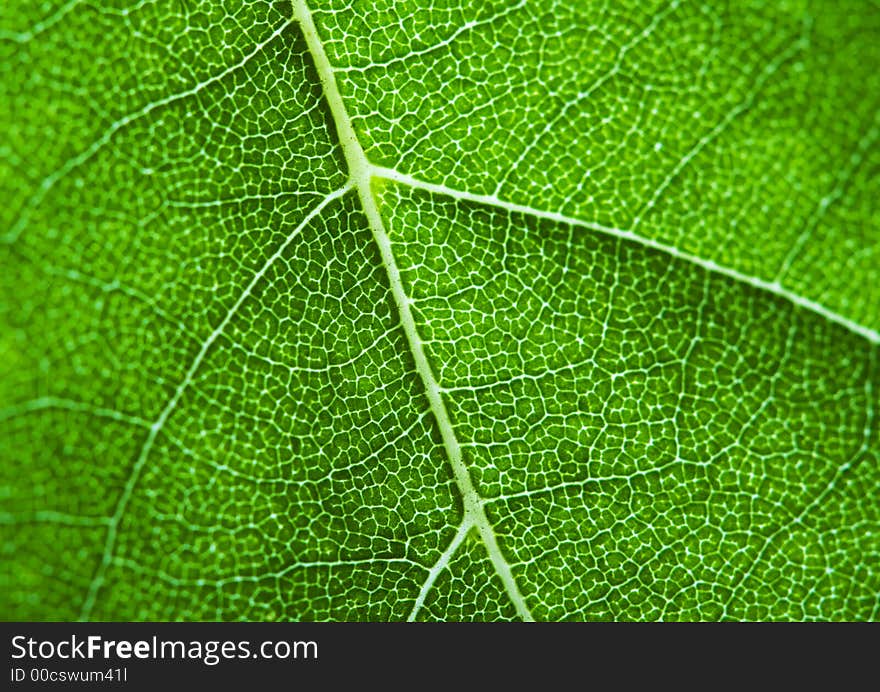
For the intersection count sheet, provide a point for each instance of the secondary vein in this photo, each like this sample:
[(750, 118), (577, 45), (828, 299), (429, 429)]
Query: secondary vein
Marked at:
[(441, 564), (774, 287), (146, 448)]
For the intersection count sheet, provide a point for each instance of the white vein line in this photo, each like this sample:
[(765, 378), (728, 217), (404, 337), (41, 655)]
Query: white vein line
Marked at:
[(768, 71), (855, 459), (49, 181), (41, 26), (48, 516), (843, 181), (584, 94), (60, 403), (440, 565), (360, 171), (774, 287), (110, 541), (427, 50)]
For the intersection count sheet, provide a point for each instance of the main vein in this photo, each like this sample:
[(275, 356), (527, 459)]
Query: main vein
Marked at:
[(361, 170)]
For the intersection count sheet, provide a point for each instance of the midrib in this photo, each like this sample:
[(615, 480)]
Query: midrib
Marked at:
[(361, 174)]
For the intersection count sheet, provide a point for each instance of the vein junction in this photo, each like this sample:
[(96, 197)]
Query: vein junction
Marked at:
[(774, 287), (361, 173), (127, 491)]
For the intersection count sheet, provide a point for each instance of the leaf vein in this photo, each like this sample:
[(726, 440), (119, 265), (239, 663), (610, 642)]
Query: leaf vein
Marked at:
[(360, 171), (773, 287), (140, 463)]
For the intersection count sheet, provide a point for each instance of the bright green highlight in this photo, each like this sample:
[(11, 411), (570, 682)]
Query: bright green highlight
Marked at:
[(591, 332)]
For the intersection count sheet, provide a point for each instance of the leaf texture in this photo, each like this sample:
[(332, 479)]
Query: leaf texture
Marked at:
[(418, 310)]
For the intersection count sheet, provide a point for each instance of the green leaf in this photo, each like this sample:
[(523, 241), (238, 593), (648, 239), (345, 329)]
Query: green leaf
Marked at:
[(389, 310)]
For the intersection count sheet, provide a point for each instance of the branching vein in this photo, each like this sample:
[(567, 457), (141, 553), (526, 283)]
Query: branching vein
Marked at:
[(774, 287), (140, 463), (361, 172)]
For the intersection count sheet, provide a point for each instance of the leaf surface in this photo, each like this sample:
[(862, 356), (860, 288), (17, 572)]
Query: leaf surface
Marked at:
[(412, 310)]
